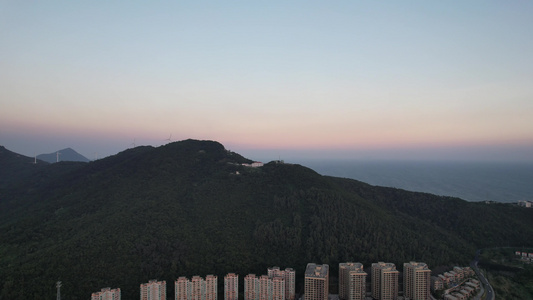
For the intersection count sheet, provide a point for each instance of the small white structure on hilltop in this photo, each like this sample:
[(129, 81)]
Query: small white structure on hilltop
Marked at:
[(527, 204), (255, 164)]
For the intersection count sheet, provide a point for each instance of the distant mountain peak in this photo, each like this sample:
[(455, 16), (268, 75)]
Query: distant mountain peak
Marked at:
[(67, 154)]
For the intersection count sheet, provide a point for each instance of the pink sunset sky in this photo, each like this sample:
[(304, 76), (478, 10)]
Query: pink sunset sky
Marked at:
[(376, 80)]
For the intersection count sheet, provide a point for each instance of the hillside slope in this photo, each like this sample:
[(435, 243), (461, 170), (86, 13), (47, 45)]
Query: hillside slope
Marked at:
[(191, 208)]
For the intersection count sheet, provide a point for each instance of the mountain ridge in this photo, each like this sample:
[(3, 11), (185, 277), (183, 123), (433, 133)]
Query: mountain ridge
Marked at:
[(191, 207)]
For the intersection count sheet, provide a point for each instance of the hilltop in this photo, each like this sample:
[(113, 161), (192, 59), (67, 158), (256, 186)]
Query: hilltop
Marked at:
[(192, 208), (67, 154)]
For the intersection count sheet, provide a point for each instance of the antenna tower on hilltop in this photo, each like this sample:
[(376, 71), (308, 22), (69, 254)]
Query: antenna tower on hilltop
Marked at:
[(57, 156)]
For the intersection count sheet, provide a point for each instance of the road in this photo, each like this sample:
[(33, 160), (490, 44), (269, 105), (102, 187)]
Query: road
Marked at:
[(484, 281)]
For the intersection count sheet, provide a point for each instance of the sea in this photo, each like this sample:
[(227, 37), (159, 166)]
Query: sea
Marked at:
[(472, 181)]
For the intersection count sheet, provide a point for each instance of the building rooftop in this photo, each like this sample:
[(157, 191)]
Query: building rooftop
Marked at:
[(316, 271), (384, 266), (417, 265), (351, 265)]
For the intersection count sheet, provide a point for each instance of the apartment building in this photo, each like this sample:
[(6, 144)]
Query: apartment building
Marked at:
[(316, 282), (416, 281), (197, 288), (154, 290), (352, 281), (231, 287), (289, 277), (181, 289), (384, 281), (251, 287)]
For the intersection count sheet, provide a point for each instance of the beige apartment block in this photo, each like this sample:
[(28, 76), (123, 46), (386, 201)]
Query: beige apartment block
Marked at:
[(278, 288), (231, 287), (251, 287), (211, 287), (316, 282), (352, 281), (416, 281), (154, 290), (289, 276), (197, 288), (265, 287), (384, 281), (181, 288)]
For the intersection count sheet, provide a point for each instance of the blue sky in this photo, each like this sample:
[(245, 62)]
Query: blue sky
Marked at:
[(348, 79)]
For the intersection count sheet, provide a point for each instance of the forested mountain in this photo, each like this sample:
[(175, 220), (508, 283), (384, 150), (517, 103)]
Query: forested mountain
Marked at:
[(191, 208)]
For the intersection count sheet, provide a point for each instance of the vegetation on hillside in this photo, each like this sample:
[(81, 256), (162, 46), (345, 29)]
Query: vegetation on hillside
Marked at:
[(510, 277), (191, 208)]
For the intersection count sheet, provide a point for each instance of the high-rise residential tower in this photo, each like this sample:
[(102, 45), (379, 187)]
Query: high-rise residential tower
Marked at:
[(416, 281), (316, 282), (278, 288), (265, 288), (154, 290), (289, 277), (352, 281), (181, 288), (384, 281), (211, 287), (290, 284), (231, 287), (197, 288), (106, 294), (251, 287)]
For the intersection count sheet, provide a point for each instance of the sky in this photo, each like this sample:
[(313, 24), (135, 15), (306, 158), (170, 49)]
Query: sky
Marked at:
[(270, 79)]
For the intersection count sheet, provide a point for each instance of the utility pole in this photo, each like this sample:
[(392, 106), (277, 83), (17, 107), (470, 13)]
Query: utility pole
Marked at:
[(58, 285)]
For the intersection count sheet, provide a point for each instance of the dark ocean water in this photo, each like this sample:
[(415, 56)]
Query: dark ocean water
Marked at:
[(472, 181)]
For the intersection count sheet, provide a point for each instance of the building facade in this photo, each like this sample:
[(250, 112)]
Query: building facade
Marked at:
[(181, 289), (231, 287), (278, 288), (352, 281), (106, 294), (251, 287), (265, 288), (416, 281), (211, 287), (196, 289), (289, 277), (154, 290), (384, 281), (316, 282)]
